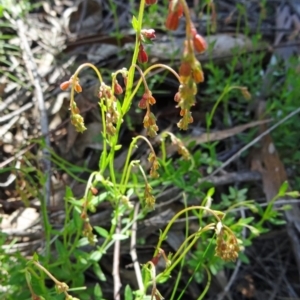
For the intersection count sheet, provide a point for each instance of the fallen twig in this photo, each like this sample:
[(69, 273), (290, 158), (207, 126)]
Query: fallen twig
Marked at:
[(252, 143), (32, 70), (133, 254), (116, 264)]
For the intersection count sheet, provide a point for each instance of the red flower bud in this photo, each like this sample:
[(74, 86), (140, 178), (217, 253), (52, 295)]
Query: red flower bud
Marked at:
[(148, 33), (177, 97), (117, 88), (150, 2), (142, 55), (94, 191), (65, 85), (78, 87), (193, 31), (172, 21), (176, 7), (185, 69), (199, 43), (198, 75)]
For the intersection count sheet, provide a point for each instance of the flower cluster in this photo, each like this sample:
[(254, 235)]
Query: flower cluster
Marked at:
[(227, 245), (112, 114), (76, 118), (190, 71), (88, 232), (149, 119), (182, 150), (154, 165), (75, 82), (146, 37), (149, 198), (125, 200)]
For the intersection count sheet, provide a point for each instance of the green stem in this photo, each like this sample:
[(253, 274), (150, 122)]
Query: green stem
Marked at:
[(183, 259), (125, 169), (127, 100), (165, 232), (47, 228), (226, 90), (207, 284), (128, 95), (267, 211)]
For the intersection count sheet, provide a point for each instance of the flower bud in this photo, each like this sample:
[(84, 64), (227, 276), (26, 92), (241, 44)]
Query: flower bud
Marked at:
[(172, 21), (117, 88), (148, 33), (199, 43), (65, 85), (150, 2), (142, 55), (185, 69), (176, 6), (198, 75)]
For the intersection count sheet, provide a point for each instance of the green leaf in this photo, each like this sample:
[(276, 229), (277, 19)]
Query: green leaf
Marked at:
[(210, 192), (135, 23), (119, 236), (118, 147), (294, 194), (60, 248), (283, 189), (95, 256), (35, 256), (82, 242), (286, 207), (69, 193), (128, 293), (97, 291), (77, 219), (97, 270), (101, 231), (246, 220), (244, 258), (28, 276)]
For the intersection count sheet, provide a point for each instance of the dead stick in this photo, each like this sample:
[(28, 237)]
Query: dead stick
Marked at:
[(133, 254), (253, 142), (116, 264), (32, 70)]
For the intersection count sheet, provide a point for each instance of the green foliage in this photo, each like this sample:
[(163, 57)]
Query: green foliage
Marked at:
[(221, 230)]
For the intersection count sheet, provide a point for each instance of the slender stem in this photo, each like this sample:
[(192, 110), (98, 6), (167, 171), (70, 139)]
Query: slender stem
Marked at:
[(128, 98), (132, 145), (156, 66), (164, 234), (207, 284), (47, 228)]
